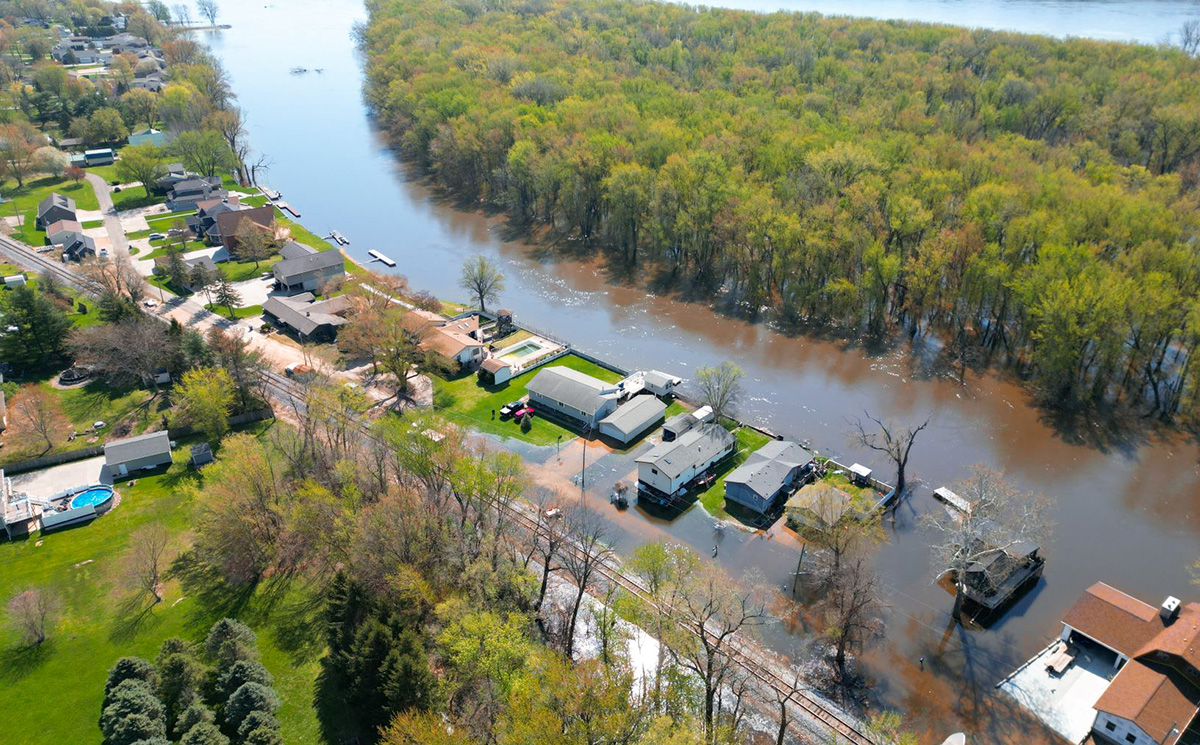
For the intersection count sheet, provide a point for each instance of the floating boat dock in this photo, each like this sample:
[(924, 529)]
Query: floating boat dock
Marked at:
[(288, 208), (337, 238), (270, 193), (952, 499), (376, 256)]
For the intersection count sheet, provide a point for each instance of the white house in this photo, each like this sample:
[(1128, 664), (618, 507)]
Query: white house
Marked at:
[(667, 468), (572, 394)]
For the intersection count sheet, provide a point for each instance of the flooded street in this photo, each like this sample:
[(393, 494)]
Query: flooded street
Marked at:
[(1126, 505)]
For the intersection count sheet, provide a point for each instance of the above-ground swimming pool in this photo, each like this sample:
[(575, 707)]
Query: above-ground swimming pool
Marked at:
[(93, 495)]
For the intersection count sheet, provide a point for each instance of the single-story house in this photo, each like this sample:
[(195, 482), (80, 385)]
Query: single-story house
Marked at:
[(230, 223), (150, 450), (317, 320), (632, 418), (495, 371), (155, 137), (202, 455), (1155, 696), (70, 143), (572, 394), (455, 341), (769, 473), (309, 272), (79, 247), (153, 82), (53, 208), (63, 231), (187, 193), (660, 383), (670, 466), (677, 425)]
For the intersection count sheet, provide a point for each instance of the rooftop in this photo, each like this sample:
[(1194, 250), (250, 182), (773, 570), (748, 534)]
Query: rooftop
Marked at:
[(305, 314), (767, 468), (310, 262), (1064, 703), (696, 446), (633, 415), (133, 448), (571, 388)]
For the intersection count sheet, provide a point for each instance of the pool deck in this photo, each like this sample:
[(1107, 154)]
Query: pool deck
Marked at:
[(50, 481)]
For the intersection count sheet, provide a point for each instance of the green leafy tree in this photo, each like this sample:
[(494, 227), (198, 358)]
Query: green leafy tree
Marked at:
[(206, 397), (129, 668), (204, 733), (40, 334), (106, 126), (195, 714), (228, 641), (240, 673), (142, 163), (204, 152)]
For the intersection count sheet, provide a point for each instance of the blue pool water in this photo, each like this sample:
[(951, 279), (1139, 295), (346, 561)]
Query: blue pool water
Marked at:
[(95, 496)]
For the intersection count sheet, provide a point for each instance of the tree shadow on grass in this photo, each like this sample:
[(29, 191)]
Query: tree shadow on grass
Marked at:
[(215, 598), (338, 721), (297, 627), (134, 614), (22, 659)]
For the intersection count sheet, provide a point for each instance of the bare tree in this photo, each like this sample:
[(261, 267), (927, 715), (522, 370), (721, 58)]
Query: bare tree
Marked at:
[(1189, 37), (547, 543), (146, 559), (30, 612), (208, 9), (117, 276), (781, 697), (183, 14), (891, 438), (711, 610), (482, 279), (129, 352), (853, 606), (978, 546), (38, 412), (720, 387), (584, 554), (231, 124)]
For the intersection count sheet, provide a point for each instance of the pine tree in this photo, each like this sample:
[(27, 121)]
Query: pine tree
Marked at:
[(226, 295)]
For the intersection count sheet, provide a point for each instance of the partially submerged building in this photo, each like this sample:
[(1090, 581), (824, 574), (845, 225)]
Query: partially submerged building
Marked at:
[(769, 474), (686, 421), (666, 471), (1122, 672)]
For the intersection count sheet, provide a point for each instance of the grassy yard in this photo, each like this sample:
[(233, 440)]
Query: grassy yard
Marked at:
[(25, 202), (134, 197), (239, 271), (713, 497), (96, 625), (238, 313), (468, 403), (301, 234), (92, 224)]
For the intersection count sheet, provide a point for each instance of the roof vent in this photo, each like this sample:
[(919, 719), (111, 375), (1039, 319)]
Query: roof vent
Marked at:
[(1169, 609)]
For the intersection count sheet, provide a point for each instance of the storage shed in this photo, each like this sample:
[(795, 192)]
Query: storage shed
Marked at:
[(632, 418), (150, 450)]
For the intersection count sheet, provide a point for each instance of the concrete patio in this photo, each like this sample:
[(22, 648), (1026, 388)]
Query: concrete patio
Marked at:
[(1064, 702)]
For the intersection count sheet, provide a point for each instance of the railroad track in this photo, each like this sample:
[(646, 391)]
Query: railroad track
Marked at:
[(294, 393)]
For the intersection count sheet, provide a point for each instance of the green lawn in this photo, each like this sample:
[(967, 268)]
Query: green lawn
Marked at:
[(160, 223), (108, 173), (92, 224), (468, 403), (137, 196), (52, 694), (301, 234), (159, 247), (25, 202), (238, 313), (713, 497)]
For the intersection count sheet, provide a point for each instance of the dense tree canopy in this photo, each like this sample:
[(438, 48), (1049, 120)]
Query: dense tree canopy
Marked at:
[(1026, 196)]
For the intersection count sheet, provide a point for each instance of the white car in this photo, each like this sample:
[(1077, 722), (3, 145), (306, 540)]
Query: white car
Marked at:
[(150, 302), (157, 236)]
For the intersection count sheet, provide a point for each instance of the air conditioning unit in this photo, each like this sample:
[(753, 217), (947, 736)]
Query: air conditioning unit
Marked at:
[(1169, 609)]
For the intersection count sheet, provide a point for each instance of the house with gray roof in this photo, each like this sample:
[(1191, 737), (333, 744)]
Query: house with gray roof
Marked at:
[(63, 231), (294, 250), (310, 271), (187, 193), (78, 247), (53, 208), (309, 319), (151, 450), (632, 418), (768, 474), (669, 467), (573, 395), (660, 383)]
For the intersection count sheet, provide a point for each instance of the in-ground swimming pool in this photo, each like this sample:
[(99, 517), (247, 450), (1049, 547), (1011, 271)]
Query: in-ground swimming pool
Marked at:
[(93, 495), (524, 350)]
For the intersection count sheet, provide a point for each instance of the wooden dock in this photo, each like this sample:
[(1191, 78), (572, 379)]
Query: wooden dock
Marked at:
[(952, 499), (376, 256), (270, 193), (288, 208)]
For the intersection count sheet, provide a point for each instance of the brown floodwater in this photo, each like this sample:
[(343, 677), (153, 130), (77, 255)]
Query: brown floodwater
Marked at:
[(1125, 501)]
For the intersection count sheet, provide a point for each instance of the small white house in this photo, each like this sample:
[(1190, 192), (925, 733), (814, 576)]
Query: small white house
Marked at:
[(150, 450), (660, 383), (14, 280), (671, 465), (495, 371)]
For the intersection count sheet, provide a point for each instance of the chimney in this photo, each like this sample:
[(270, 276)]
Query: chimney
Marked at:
[(1169, 610)]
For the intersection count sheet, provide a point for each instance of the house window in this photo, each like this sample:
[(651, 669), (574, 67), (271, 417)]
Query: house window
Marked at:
[(1110, 726), (1131, 737), (654, 471)]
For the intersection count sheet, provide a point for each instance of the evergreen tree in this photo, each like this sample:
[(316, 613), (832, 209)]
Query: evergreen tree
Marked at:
[(177, 269), (226, 295), (240, 673), (228, 641), (204, 733), (40, 331), (251, 697), (128, 668)]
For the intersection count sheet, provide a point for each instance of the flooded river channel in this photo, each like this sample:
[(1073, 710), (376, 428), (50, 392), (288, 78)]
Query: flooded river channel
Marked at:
[(1126, 504)]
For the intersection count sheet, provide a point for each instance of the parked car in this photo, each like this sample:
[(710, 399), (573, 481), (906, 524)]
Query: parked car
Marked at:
[(157, 236), (510, 408), (553, 512), (520, 414), (150, 302)]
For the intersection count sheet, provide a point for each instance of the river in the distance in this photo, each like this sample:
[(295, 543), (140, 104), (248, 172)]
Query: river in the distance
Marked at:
[(1126, 507)]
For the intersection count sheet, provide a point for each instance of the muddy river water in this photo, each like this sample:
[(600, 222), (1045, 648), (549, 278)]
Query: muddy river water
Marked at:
[(1126, 504)]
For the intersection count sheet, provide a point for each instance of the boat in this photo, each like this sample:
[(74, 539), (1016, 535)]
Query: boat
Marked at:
[(376, 256)]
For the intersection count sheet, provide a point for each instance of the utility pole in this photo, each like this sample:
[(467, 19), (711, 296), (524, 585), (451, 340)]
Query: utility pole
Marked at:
[(796, 576), (583, 472)]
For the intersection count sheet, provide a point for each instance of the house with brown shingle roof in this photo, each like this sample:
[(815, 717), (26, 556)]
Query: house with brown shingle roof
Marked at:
[(454, 340), (1154, 697)]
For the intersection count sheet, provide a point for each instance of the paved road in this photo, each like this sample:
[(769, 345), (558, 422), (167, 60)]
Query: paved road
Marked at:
[(112, 223)]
